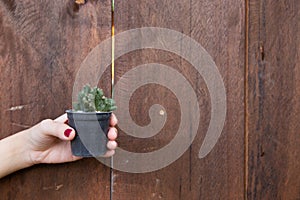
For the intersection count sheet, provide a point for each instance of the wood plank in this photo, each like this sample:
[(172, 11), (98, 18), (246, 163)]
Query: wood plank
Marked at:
[(42, 46), (219, 28), (273, 100)]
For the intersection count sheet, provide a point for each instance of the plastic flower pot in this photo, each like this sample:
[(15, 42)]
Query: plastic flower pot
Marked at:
[(91, 132)]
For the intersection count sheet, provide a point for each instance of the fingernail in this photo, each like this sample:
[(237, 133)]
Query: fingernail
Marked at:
[(67, 132)]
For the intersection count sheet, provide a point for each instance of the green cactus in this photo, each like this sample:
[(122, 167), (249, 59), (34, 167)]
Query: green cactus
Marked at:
[(93, 100)]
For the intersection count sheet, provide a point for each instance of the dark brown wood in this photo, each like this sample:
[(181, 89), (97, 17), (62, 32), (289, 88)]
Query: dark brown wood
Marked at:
[(273, 100), (42, 46), (219, 28)]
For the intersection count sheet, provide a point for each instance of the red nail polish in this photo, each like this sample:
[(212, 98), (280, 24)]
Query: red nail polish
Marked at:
[(67, 132)]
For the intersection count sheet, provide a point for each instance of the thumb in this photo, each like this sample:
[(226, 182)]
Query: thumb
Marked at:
[(57, 129)]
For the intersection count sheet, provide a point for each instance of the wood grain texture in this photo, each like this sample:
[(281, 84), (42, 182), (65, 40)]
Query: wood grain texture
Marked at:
[(220, 175), (43, 43), (274, 89), (42, 46)]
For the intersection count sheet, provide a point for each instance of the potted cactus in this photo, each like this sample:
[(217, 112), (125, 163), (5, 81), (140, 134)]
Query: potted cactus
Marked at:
[(90, 118)]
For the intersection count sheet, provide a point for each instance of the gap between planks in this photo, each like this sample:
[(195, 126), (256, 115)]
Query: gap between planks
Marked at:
[(246, 103)]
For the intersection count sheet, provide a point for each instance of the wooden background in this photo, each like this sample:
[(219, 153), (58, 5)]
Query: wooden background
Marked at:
[(254, 43)]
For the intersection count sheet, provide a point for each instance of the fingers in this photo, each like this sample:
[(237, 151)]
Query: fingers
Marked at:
[(112, 133), (74, 158), (63, 118), (112, 145), (113, 120), (109, 153), (57, 129)]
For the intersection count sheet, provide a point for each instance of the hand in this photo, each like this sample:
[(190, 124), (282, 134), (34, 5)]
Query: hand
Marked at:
[(46, 142), (49, 141)]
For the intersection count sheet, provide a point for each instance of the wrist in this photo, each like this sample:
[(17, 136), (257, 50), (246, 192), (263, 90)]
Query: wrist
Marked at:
[(15, 153), (23, 151)]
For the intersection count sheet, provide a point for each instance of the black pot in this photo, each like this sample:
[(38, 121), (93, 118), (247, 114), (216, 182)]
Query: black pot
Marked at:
[(91, 132)]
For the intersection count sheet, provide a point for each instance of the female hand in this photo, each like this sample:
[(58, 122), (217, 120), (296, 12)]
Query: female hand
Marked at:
[(49, 141), (46, 142)]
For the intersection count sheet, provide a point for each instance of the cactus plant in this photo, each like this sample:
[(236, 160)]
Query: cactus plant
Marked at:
[(91, 110), (93, 100)]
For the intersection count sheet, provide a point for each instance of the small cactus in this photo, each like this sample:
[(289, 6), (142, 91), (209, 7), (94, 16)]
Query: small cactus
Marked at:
[(93, 100)]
